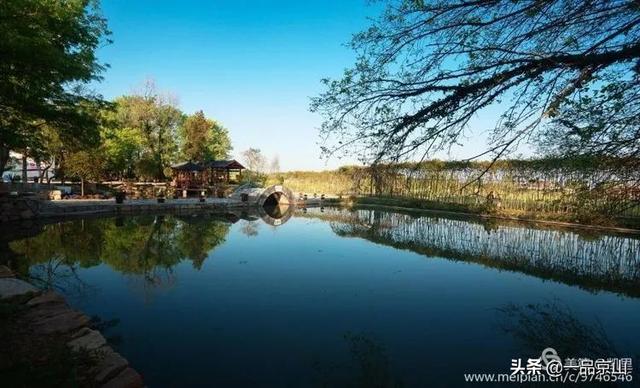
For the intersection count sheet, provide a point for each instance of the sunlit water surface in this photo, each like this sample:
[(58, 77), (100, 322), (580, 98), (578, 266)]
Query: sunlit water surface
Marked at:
[(339, 298)]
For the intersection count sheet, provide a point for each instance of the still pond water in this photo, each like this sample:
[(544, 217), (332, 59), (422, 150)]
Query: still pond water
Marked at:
[(340, 298)]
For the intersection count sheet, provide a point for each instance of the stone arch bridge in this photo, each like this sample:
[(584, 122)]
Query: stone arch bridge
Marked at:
[(274, 203), (276, 195)]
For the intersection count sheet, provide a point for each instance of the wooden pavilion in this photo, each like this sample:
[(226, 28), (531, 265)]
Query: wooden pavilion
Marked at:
[(223, 171), (189, 175)]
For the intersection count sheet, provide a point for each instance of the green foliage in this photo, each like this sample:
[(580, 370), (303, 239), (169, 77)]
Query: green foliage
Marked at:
[(123, 145), (145, 133), (85, 165), (49, 147), (204, 139), (152, 123), (48, 54)]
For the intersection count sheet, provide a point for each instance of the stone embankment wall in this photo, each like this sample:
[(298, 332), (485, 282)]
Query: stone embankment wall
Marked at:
[(18, 208), (47, 314), (29, 208)]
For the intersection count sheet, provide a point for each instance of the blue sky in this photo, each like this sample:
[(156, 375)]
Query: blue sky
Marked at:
[(252, 65)]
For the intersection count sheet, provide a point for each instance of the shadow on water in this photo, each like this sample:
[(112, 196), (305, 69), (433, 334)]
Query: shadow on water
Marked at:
[(587, 259), (369, 366), (553, 324)]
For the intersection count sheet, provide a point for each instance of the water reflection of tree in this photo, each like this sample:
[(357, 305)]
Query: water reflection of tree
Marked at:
[(249, 228), (52, 258), (371, 367), (538, 326), (145, 247), (198, 236), (607, 262)]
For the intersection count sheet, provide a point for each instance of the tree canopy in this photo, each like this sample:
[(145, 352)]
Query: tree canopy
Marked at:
[(48, 56), (140, 136), (204, 139), (155, 120), (146, 132), (85, 165), (254, 159), (425, 69)]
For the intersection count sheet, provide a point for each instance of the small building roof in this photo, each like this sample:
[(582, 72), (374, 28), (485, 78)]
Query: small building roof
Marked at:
[(187, 166), (230, 164)]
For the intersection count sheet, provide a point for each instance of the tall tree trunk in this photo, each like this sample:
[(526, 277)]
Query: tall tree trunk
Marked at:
[(81, 187), (44, 174), (39, 171), (24, 168)]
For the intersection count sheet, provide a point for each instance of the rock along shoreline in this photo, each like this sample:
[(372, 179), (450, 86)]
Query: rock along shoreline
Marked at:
[(45, 315)]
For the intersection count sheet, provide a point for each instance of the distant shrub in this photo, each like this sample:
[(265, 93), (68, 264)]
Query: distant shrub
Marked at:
[(253, 179)]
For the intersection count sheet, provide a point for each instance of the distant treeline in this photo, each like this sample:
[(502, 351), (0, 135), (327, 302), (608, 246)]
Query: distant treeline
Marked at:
[(587, 187)]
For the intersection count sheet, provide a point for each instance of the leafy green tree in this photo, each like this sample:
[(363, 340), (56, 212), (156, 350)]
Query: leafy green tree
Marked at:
[(426, 68), (85, 165), (48, 54), (204, 139), (123, 145), (48, 151), (156, 119)]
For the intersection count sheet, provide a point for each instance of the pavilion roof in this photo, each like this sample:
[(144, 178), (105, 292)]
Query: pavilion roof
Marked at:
[(187, 166), (230, 164)]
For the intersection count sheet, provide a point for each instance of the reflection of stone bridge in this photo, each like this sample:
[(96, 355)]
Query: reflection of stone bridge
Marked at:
[(271, 215), (274, 203)]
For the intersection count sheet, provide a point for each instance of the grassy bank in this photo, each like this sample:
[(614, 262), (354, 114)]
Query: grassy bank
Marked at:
[(585, 191)]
